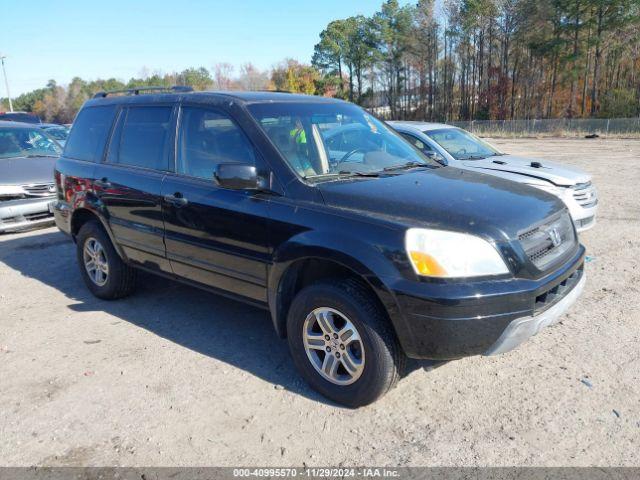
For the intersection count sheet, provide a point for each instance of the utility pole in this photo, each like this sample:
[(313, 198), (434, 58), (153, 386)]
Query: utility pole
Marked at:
[(6, 82)]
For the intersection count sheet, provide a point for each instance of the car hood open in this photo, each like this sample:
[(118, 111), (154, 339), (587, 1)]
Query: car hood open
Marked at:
[(446, 198), (26, 170), (558, 174)]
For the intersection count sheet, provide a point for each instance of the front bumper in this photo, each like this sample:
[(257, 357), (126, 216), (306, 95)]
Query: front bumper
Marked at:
[(583, 218), (521, 329), (25, 213), (449, 320)]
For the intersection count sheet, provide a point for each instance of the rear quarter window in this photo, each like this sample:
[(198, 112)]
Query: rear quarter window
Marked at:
[(89, 133)]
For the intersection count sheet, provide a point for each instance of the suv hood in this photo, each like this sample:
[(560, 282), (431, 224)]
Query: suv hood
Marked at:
[(446, 198), (26, 170), (558, 174)]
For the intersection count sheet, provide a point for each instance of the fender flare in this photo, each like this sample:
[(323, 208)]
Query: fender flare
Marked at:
[(92, 205), (370, 265)]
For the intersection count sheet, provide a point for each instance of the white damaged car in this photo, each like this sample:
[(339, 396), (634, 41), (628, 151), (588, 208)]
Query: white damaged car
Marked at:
[(458, 148)]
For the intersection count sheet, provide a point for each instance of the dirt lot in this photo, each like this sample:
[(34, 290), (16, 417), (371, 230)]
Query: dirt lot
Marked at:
[(175, 376)]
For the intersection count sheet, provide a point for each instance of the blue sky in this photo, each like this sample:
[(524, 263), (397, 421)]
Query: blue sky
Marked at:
[(117, 38)]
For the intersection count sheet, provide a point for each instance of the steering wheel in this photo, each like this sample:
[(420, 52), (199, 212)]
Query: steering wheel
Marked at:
[(462, 151), (352, 152)]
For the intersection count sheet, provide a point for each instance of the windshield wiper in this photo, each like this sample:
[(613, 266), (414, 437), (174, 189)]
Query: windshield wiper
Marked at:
[(41, 155), (405, 166), (358, 174), (341, 174), (474, 157)]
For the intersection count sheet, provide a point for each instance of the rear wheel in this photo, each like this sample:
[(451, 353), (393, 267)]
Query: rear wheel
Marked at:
[(342, 343), (102, 269)]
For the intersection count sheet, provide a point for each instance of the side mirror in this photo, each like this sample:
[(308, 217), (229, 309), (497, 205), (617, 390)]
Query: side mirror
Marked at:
[(237, 176)]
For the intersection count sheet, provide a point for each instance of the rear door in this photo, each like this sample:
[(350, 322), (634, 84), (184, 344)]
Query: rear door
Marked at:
[(215, 236), (129, 182)]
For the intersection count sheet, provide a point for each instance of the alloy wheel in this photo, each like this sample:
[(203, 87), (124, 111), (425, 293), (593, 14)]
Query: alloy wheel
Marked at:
[(95, 261), (333, 345)]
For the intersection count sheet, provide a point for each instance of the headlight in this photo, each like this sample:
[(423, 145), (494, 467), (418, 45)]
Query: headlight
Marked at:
[(438, 253)]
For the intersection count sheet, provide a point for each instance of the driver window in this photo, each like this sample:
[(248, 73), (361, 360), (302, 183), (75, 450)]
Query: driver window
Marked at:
[(295, 142), (419, 144), (207, 138)]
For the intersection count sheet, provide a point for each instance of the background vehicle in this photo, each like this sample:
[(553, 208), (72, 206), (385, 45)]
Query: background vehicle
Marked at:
[(27, 189), (24, 117), (315, 210), (458, 148), (58, 132)]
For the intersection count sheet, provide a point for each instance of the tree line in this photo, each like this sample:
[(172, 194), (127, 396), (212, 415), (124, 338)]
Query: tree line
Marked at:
[(59, 104), (489, 59), (476, 59)]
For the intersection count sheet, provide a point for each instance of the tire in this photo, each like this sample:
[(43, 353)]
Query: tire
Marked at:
[(381, 360), (119, 279)]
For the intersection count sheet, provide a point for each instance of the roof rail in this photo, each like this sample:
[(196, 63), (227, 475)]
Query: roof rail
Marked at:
[(137, 90), (266, 90)]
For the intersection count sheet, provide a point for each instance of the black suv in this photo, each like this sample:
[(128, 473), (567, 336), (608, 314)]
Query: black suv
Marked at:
[(364, 251)]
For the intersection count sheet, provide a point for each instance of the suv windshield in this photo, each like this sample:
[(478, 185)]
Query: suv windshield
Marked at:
[(25, 142), (462, 145), (333, 139)]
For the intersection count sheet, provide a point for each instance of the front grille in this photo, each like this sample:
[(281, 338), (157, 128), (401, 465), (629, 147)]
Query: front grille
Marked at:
[(549, 241), (6, 198), (552, 296), (585, 194), (40, 189), (30, 217), (36, 216)]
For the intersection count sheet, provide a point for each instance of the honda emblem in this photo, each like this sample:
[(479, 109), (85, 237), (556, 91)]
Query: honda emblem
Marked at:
[(555, 237)]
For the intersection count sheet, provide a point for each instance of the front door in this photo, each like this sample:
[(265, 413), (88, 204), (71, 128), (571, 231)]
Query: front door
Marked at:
[(215, 236), (129, 182)]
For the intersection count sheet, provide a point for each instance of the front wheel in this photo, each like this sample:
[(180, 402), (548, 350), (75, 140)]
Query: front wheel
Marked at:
[(342, 343)]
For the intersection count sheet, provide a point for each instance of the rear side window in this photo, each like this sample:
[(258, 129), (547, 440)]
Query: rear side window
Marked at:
[(89, 133), (142, 138)]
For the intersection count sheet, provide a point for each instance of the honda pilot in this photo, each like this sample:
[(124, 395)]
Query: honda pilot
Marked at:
[(364, 251)]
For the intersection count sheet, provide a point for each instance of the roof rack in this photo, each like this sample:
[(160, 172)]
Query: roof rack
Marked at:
[(266, 90), (137, 90)]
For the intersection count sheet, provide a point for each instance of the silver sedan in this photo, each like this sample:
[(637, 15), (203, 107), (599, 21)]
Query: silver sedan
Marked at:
[(458, 148), (27, 188)]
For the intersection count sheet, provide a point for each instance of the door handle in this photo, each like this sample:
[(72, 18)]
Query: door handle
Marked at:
[(102, 183), (177, 200)]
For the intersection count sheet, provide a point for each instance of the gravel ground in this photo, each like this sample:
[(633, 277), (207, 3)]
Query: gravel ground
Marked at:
[(176, 376)]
